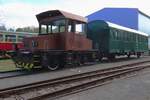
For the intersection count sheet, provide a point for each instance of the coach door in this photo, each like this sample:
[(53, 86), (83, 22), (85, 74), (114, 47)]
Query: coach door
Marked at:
[(136, 42)]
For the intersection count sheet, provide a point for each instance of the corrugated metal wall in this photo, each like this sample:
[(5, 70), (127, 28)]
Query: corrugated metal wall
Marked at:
[(127, 17)]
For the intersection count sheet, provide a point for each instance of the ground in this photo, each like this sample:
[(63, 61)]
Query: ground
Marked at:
[(132, 88), (6, 65)]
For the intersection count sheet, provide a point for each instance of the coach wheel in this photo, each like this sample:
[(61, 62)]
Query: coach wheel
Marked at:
[(138, 55), (111, 57), (128, 55), (53, 67), (100, 58)]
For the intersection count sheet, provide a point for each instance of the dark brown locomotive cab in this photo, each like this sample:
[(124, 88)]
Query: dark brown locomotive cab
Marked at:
[(59, 30), (61, 41)]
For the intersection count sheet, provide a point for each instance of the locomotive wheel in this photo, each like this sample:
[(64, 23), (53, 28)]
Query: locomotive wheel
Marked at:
[(30, 65), (53, 67), (18, 64)]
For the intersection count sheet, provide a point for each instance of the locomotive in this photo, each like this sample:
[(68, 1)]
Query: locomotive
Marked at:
[(67, 39)]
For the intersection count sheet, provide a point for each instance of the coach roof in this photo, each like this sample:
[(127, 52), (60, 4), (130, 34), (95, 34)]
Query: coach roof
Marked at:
[(125, 28), (54, 14)]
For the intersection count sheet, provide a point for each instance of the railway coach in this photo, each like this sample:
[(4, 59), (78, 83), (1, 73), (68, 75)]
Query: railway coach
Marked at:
[(65, 39), (112, 39), (8, 40)]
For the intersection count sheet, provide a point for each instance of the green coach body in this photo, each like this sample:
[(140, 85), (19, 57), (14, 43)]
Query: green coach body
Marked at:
[(114, 39)]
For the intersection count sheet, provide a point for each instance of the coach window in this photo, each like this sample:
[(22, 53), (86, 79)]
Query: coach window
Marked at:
[(127, 36), (138, 38), (111, 33), (1, 37), (10, 38), (141, 38), (20, 38), (116, 34), (145, 39), (119, 35), (134, 37), (131, 37)]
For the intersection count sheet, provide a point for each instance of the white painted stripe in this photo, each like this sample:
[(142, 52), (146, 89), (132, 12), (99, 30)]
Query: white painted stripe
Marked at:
[(125, 28)]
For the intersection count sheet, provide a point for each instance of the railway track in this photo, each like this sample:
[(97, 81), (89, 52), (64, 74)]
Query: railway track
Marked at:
[(19, 73), (70, 84)]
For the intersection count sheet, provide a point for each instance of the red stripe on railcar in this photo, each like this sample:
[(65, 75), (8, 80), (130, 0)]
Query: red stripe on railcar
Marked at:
[(9, 46)]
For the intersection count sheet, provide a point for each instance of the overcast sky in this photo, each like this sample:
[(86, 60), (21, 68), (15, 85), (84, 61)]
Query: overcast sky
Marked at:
[(20, 13)]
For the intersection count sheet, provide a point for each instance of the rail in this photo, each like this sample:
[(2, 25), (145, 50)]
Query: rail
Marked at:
[(69, 84)]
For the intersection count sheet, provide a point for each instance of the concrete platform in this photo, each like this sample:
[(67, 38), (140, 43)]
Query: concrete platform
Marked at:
[(15, 81)]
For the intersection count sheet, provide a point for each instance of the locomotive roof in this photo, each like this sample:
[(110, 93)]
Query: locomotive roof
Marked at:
[(49, 15), (125, 28)]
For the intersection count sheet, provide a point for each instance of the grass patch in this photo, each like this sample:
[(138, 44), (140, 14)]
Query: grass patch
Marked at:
[(7, 65)]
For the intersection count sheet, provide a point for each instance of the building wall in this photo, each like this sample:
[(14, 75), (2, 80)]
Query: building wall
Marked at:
[(127, 17), (143, 23)]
